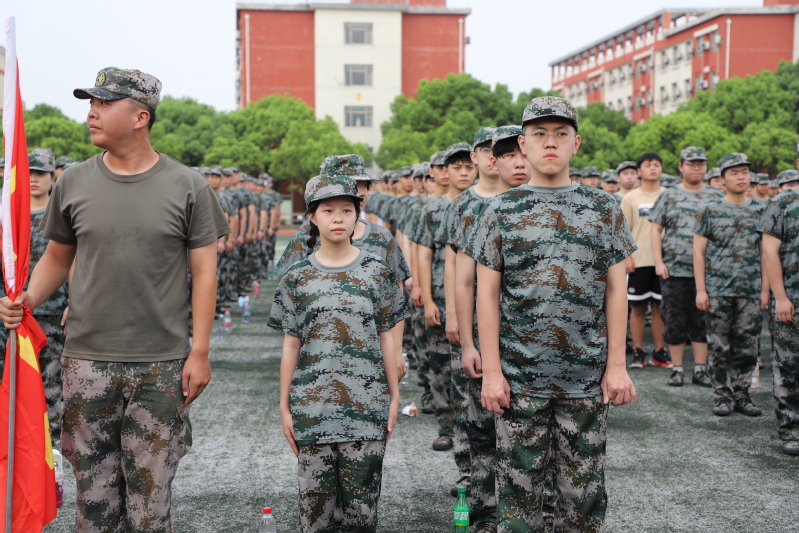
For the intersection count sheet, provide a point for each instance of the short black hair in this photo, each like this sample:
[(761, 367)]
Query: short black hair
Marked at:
[(459, 157), (649, 156), (152, 118), (505, 146)]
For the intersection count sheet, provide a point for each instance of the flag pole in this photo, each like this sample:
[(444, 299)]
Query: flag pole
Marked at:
[(12, 415)]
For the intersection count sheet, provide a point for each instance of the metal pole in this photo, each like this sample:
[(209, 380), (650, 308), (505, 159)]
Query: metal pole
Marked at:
[(12, 415), (247, 48), (727, 60)]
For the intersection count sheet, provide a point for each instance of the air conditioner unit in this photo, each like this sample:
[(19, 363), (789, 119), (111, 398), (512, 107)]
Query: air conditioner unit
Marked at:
[(594, 85), (704, 85), (630, 104), (612, 78), (642, 102), (717, 40), (641, 68), (715, 80), (705, 45), (677, 93), (665, 60), (664, 96), (688, 87)]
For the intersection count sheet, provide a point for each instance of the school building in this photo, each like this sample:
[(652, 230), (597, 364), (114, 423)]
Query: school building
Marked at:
[(655, 64), (350, 60)]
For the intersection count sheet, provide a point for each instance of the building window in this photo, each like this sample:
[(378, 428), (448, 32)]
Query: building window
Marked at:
[(358, 32), (358, 75), (358, 116)]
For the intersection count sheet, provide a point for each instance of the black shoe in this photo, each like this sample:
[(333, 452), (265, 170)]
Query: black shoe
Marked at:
[(722, 407), (745, 406), (427, 404), (676, 378), (790, 447), (443, 443), (639, 359), (661, 358)]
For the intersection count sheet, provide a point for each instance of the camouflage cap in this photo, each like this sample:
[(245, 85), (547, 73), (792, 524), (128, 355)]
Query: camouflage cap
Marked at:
[(265, 177), (455, 149), (394, 176), (437, 159), (505, 132), (763, 179), (41, 159), (733, 160), (624, 165), (404, 172), (62, 160), (714, 172), (222, 172), (483, 135), (575, 172), (351, 165), (787, 176), (115, 84), (72, 164), (590, 171), (233, 169), (773, 184), (550, 106), (610, 176), (217, 171), (668, 181), (418, 170), (693, 153), (322, 187)]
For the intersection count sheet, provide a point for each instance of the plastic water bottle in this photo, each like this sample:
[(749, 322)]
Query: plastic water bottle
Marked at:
[(407, 365), (241, 302), (461, 518), (267, 524), (245, 315), (58, 466), (256, 289), (271, 272), (220, 326), (228, 320)]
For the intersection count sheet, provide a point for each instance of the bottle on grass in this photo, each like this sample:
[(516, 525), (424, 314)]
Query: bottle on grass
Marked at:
[(461, 518), (267, 524)]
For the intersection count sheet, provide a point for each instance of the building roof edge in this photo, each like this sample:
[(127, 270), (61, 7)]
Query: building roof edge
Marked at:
[(309, 6)]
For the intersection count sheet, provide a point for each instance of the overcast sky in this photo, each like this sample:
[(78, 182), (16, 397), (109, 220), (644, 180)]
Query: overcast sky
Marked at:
[(190, 46)]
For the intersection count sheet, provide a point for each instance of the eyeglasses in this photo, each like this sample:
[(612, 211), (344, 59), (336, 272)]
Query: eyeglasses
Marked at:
[(483, 149), (695, 165), (539, 136)]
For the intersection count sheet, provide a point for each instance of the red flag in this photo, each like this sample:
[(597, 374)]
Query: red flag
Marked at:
[(34, 502)]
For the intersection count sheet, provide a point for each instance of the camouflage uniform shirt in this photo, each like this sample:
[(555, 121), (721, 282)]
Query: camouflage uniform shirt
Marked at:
[(554, 247), (732, 267), (56, 303), (459, 219), (425, 235), (408, 223), (339, 392), (678, 210), (781, 220)]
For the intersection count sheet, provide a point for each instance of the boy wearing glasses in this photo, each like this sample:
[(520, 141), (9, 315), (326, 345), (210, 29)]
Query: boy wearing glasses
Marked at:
[(672, 223), (551, 319)]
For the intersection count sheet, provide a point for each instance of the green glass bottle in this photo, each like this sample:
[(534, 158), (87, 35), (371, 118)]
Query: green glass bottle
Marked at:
[(461, 518)]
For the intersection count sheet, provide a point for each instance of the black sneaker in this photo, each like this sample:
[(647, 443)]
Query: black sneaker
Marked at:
[(676, 378), (639, 359), (464, 481), (443, 443), (427, 404), (745, 406), (661, 358), (702, 378), (722, 407)]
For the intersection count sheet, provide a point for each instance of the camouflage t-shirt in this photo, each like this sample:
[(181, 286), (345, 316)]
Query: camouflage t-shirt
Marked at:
[(431, 218), (453, 230), (554, 247), (677, 210), (732, 259), (224, 203), (385, 207), (233, 201), (339, 392), (56, 303), (375, 240), (781, 220), (408, 223), (371, 204), (399, 208)]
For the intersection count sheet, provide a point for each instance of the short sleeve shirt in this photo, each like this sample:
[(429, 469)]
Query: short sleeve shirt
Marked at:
[(458, 221), (678, 211), (637, 206), (432, 217), (554, 247), (732, 258), (339, 391), (57, 302), (781, 220), (128, 296)]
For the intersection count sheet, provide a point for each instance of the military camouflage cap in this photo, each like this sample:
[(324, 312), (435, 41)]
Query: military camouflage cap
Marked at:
[(233, 169), (667, 180), (550, 106), (41, 159), (217, 171), (394, 176), (244, 177), (405, 172), (787, 176), (610, 176), (575, 172), (483, 135), (733, 160), (763, 179), (418, 170), (590, 171), (505, 132), (437, 159), (323, 187), (223, 171), (624, 165), (351, 165), (62, 160), (265, 177), (72, 164), (773, 184), (714, 172), (115, 84), (454, 149), (693, 153)]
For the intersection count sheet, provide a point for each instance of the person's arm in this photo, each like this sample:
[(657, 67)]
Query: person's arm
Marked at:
[(451, 326), (627, 211), (496, 391), (398, 331), (405, 246), (242, 225), (700, 247), (465, 268), (764, 294), (288, 364), (252, 223), (230, 243), (263, 223), (276, 217), (771, 250), (197, 368), (432, 315), (656, 239), (617, 387), (387, 351), (416, 290), (50, 273)]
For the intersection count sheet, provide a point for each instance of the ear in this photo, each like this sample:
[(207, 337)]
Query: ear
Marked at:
[(521, 145), (577, 141), (142, 118), (312, 218), (473, 155)]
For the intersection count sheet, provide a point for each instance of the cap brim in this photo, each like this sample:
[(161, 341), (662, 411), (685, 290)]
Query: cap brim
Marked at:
[(97, 92)]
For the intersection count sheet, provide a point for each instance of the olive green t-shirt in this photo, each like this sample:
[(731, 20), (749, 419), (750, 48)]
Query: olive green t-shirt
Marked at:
[(128, 300)]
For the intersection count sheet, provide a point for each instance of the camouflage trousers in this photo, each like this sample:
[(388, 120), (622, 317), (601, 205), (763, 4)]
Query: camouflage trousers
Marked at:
[(228, 269), (482, 432), (568, 435), (270, 247), (420, 344), (733, 329), (682, 320), (125, 429), (459, 392), (245, 275), (50, 366), (344, 476), (408, 346), (440, 375), (785, 366)]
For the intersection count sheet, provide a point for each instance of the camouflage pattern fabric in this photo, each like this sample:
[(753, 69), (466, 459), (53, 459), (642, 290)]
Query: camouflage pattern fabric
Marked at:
[(440, 376), (482, 433), (339, 391), (57, 302), (459, 396), (785, 366), (678, 211), (731, 267), (375, 198), (399, 208), (420, 339), (733, 329), (347, 475), (590, 171), (432, 217), (549, 106), (682, 320), (554, 247), (450, 231), (573, 431), (115, 83), (483, 135), (351, 165), (734, 160), (781, 220), (384, 210), (41, 159), (409, 220), (125, 429), (322, 187), (693, 153)]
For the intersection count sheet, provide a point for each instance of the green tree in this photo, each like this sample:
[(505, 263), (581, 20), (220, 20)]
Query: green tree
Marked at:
[(599, 147), (769, 147), (402, 147), (788, 78), (266, 122), (166, 143), (602, 115), (242, 153), (43, 111)]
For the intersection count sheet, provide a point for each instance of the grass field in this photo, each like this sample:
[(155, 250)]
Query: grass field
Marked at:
[(672, 465)]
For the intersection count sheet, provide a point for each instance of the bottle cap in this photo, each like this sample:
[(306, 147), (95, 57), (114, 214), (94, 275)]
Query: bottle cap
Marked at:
[(267, 510), (461, 490)]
